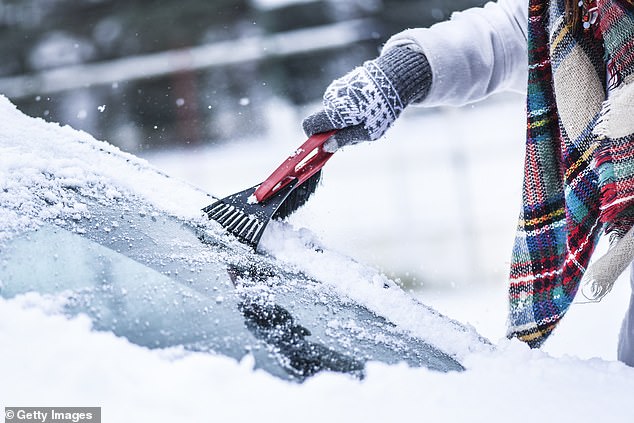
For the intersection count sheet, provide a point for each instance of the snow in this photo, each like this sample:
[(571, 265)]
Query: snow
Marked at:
[(47, 359), (27, 166), (50, 360)]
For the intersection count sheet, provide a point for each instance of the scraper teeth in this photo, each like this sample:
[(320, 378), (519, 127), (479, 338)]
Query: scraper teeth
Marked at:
[(246, 229), (217, 211), (237, 224), (257, 232), (247, 232), (222, 216), (230, 217)]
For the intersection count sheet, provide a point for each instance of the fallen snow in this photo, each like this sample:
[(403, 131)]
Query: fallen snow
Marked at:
[(46, 359)]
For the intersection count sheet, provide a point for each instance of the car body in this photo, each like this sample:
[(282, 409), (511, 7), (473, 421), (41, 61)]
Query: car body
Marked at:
[(90, 226)]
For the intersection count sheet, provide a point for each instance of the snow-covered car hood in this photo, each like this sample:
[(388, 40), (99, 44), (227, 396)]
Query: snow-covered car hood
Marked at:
[(173, 278)]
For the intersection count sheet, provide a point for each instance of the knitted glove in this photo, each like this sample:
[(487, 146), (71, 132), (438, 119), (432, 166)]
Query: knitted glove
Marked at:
[(364, 103)]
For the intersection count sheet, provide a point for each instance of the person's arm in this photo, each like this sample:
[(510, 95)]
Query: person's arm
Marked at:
[(478, 52)]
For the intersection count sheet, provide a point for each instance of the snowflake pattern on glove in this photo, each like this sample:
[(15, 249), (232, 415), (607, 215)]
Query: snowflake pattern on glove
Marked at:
[(366, 97)]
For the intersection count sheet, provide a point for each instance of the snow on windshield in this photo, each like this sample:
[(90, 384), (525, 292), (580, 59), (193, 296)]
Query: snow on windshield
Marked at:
[(42, 164), (48, 359)]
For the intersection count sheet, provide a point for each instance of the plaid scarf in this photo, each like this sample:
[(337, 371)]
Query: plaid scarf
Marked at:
[(579, 163)]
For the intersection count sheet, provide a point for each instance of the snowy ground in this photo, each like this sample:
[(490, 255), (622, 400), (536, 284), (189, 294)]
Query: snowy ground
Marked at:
[(434, 205)]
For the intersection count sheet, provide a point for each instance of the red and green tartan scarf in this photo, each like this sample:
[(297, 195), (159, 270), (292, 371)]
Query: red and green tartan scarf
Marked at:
[(579, 163)]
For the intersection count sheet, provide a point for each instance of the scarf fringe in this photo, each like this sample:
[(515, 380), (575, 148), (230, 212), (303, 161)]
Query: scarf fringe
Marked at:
[(615, 210), (601, 275), (609, 128)]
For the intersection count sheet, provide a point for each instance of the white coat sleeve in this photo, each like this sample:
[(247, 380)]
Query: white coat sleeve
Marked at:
[(478, 52)]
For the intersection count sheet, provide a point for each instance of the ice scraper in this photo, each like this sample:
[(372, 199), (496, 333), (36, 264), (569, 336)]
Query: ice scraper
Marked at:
[(245, 214)]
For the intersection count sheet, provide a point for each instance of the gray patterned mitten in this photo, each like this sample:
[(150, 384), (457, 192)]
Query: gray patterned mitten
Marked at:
[(364, 103)]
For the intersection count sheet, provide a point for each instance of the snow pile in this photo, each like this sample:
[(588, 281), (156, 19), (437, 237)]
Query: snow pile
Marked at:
[(367, 286), (48, 360)]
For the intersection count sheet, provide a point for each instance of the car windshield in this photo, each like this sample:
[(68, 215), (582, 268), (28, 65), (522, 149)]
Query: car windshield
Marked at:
[(102, 233), (161, 282)]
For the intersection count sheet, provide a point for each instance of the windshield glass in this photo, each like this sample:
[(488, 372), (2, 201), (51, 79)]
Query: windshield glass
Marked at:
[(152, 279)]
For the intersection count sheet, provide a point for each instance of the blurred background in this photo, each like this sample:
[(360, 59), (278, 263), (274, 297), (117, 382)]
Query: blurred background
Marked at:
[(214, 92), (178, 72)]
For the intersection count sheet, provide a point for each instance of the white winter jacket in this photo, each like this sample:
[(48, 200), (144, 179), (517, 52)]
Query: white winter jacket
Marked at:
[(474, 54)]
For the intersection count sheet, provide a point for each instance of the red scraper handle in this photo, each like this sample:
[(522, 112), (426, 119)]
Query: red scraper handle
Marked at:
[(308, 159)]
